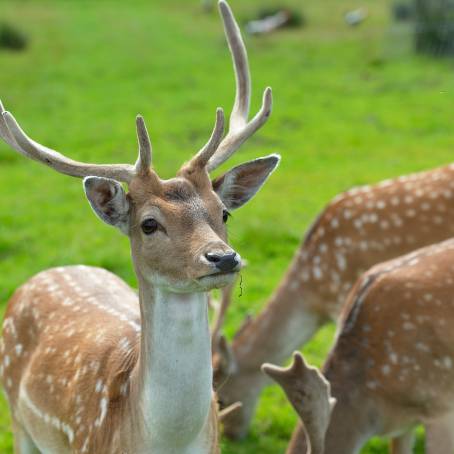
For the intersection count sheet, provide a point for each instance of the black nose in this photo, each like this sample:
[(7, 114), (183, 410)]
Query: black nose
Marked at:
[(223, 262)]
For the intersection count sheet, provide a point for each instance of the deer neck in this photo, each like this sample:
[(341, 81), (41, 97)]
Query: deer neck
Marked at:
[(175, 372)]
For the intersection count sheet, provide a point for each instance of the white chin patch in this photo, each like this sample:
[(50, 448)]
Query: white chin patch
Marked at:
[(203, 284), (217, 280)]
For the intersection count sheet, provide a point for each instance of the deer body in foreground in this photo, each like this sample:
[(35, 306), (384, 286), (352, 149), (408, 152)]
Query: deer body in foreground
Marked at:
[(86, 365), (358, 229), (392, 365)]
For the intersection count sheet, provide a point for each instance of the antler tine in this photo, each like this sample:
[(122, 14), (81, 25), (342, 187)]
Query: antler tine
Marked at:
[(238, 50), (229, 410), (4, 131), (144, 160), (310, 394), (202, 157), (239, 129), (13, 135)]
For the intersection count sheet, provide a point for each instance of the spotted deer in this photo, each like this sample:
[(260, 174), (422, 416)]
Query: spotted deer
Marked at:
[(358, 229), (89, 367), (392, 364)]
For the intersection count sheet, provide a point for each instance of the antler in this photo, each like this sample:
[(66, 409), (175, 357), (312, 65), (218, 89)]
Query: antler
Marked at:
[(239, 128), (216, 152), (14, 136), (143, 163), (310, 394)]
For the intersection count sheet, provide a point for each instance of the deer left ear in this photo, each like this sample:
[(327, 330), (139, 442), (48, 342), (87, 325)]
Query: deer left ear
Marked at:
[(240, 184), (108, 200)]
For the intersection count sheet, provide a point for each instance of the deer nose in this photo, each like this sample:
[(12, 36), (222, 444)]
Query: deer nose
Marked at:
[(223, 262)]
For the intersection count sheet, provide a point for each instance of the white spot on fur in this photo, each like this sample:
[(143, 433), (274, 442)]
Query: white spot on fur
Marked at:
[(408, 326), (98, 386), (393, 357), (395, 200), (317, 272), (103, 412), (341, 262), (422, 347)]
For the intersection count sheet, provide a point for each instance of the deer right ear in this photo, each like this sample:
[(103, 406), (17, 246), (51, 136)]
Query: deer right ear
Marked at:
[(240, 184), (108, 200)]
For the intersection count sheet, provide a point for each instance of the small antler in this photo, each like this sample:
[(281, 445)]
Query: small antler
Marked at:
[(14, 136), (201, 159), (310, 394), (239, 128), (143, 163)]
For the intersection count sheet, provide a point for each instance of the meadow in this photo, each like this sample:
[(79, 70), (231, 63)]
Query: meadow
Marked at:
[(352, 106)]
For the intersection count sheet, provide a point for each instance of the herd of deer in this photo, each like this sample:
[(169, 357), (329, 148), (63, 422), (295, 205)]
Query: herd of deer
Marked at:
[(90, 367)]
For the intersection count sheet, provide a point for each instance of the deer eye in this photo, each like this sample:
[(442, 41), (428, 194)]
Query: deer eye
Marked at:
[(149, 226), (225, 216)]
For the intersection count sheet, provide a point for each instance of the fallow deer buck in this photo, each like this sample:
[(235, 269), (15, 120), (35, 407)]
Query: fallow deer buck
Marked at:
[(86, 365), (358, 229), (392, 365)]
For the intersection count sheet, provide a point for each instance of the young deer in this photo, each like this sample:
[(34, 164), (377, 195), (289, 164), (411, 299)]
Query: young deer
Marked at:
[(357, 230), (86, 365), (392, 365)]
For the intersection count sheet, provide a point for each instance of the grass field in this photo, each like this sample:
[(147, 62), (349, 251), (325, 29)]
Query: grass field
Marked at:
[(352, 106)]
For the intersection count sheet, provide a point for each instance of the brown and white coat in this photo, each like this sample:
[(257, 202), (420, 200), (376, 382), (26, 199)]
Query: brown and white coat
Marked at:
[(392, 365)]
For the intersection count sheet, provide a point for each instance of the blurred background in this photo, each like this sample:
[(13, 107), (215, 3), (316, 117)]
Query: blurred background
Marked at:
[(363, 90)]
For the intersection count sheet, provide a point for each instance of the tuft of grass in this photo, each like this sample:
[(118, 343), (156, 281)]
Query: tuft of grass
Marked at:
[(348, 110), (12, 38)]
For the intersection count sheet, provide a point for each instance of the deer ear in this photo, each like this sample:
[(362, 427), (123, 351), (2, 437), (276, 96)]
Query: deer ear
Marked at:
[(108, 200), (240, 184)]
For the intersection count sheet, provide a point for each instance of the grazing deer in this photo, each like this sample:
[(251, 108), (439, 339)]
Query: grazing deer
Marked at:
[(86, 365), (358, 229), (392, 365)]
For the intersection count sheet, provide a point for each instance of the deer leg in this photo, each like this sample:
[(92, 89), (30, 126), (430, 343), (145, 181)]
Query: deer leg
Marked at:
[(402, 444), (439, 435), (23, 444)]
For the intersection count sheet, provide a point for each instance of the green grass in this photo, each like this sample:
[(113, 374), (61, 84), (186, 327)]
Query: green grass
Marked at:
[(352, 106)]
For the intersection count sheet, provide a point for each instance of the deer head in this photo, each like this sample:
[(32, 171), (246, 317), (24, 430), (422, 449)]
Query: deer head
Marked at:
[(176, 227), (310, 394)]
